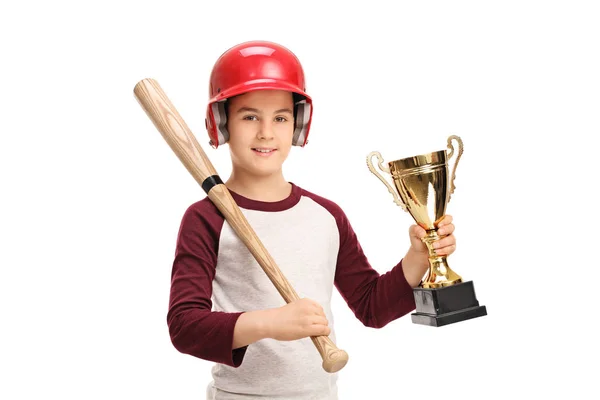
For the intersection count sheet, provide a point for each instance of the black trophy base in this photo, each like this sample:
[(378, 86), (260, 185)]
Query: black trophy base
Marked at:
[(446, 305)]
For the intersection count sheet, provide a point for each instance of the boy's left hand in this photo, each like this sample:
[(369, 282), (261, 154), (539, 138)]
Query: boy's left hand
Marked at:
[(443, 247)]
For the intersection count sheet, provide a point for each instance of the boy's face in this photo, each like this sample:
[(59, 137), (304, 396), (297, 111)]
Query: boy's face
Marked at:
[(261, 127)]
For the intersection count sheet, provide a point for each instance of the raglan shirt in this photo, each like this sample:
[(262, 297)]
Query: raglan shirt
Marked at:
[(215, 279)]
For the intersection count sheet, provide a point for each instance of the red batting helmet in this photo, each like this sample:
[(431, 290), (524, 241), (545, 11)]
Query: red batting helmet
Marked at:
[(256, 65)]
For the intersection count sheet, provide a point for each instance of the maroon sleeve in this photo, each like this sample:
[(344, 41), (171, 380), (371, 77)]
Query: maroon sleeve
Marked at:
[(375, 299), (193, 327)]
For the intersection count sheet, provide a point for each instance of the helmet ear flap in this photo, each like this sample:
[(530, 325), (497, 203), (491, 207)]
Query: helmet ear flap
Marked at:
[(208, 130), (302, 117), (216, 123)]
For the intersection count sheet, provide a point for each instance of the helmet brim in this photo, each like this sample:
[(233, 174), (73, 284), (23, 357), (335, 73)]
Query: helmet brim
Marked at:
[(259, 84)]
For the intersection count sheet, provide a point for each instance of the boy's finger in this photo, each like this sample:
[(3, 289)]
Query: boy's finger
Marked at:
[(447, 219), (417, 231), (323, 331), (444, 251), (318, 308), (446, 230), (320, 321), (445, 242)]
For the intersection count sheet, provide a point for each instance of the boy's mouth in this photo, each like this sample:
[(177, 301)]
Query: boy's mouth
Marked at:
[(263, 151)]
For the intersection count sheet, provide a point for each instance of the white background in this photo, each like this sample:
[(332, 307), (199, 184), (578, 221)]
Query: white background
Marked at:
[(92, 196)]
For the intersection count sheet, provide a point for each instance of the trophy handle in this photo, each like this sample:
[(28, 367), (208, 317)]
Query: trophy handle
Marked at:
[(459, 154), (381, 178)]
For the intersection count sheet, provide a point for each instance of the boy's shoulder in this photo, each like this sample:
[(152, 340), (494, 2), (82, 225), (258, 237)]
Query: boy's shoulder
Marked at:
[(204, 204), (202, 211), (330, 205)]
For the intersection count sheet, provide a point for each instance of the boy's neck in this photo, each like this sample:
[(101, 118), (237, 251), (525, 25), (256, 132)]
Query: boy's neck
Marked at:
[(270, 188)]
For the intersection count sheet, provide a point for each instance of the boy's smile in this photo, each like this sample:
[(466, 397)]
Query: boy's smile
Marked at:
[(263, 151)]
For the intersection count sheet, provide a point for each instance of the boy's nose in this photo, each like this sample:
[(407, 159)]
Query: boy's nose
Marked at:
[(266, 130)]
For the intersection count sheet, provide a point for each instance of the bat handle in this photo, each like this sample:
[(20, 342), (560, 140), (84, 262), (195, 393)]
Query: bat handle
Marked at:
[(334, 359)]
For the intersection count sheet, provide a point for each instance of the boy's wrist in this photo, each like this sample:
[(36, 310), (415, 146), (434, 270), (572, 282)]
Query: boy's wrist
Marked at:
[(263, 324), (251, 327)]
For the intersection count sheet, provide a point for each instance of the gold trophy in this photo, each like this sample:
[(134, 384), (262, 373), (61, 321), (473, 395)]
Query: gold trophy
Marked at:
[(423, 188)]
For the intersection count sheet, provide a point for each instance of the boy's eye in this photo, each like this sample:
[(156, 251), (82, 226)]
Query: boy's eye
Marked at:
[(280, 119), (250, 117)]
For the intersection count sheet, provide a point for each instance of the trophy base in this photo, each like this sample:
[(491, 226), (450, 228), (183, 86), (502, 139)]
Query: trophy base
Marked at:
[(446, 305)]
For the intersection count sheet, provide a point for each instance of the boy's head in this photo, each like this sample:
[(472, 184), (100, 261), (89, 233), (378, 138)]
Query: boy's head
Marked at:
[(256, 66)]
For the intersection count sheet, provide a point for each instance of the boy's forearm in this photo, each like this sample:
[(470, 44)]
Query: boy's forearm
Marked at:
[(250, 327), (414, 266)]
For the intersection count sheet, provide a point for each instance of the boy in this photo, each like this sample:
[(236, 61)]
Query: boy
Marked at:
[(222, 306)]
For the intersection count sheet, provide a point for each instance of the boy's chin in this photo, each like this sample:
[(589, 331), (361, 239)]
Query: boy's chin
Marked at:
[(266, 172)]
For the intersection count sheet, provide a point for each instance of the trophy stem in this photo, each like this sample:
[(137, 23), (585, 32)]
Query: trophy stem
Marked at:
[(439, 273)]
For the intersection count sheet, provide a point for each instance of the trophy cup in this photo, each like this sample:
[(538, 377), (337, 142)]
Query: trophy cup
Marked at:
[(423, 188)]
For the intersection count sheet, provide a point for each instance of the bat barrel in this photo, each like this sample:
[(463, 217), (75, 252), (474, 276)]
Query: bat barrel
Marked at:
[(174, 130)]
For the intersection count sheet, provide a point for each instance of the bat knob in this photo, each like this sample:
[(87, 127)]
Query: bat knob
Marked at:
[(335, 361)]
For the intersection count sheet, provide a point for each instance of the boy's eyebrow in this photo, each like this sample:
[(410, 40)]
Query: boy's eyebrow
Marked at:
[(254, 110), (247, 109)]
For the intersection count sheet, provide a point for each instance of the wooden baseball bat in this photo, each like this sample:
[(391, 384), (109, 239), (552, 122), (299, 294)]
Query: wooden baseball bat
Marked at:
[(177, 134)]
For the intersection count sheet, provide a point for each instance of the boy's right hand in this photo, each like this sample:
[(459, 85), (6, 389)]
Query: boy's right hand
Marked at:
[(296, 320)]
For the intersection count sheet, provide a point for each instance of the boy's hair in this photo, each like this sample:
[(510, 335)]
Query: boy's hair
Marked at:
[(256, 65)]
